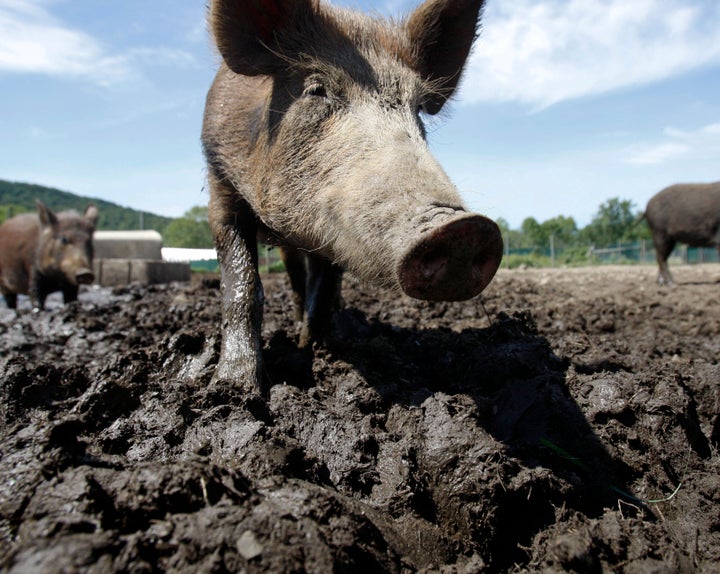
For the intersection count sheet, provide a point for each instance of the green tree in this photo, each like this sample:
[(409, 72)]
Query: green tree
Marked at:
[(503, 225), (191, 230), (561, 228), (615, 222), (512, 238), (11, 210), (533, 232)]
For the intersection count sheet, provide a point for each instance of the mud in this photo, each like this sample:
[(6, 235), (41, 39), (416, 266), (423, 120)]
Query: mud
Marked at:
[(567, 420)]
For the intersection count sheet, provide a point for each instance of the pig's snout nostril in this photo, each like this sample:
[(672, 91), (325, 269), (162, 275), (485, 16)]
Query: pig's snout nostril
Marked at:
[(453, 262), (84, 277), (431, 263)]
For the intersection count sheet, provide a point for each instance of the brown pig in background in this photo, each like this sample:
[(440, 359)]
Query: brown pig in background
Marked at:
[(683, 213), (313, 135), (46, 252)]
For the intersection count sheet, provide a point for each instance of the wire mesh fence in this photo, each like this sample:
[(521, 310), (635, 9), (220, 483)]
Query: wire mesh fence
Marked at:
[(639, 252), (644, 252)]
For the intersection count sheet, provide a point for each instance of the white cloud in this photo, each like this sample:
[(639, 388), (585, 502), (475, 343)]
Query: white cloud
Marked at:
[(540, 52), (32, 41), (659, 153), (700, 143), (161, 56)]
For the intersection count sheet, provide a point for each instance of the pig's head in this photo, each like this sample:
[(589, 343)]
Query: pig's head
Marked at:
[(65, 249), (327, 106)]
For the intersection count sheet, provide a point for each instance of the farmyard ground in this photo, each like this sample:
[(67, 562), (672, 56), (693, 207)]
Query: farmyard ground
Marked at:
[(567, 420)]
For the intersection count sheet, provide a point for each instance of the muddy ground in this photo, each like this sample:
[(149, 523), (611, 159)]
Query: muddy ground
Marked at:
[(567, 420)]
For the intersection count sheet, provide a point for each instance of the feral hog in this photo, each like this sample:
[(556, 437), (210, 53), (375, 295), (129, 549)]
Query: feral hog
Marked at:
[(313, 135), (45, 252), (684, 213)]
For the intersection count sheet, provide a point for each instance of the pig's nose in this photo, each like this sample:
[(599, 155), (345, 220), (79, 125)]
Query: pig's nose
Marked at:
[(84, 276), (453, 262)]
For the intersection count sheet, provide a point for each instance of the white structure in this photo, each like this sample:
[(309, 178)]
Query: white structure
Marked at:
[(183, 255)]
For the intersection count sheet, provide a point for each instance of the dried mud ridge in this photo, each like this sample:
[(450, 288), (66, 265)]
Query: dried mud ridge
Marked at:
[(546, 435)]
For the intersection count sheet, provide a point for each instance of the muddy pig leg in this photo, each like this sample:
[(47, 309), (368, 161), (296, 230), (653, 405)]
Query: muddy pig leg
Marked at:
[(316, 285), (235, 232), (324, 282), (294, 261), (663, 249), (70, 293), (38, 293), (10, 300)]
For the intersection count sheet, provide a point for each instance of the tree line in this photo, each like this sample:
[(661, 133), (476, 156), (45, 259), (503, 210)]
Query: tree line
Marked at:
[(16, 198), (616, 221)]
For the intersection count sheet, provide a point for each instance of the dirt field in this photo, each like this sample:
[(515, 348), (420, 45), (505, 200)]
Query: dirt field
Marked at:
[(566, 421)]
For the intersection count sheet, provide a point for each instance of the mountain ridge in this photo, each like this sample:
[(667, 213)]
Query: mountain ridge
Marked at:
[(17, 197)]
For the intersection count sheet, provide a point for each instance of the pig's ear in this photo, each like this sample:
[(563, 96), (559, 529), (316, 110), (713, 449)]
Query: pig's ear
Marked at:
[(47, 217), (443, 32), (253, 35), (92, 214)]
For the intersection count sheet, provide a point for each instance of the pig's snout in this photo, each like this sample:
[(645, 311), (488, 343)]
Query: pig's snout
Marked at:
[(84, 276), (454, 261)]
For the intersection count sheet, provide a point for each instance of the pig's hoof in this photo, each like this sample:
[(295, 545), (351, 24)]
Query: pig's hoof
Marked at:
[(239, 375), (453, 262)]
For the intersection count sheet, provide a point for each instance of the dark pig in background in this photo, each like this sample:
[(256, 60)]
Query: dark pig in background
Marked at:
[(313, 135), (46, 252), (683, 213)]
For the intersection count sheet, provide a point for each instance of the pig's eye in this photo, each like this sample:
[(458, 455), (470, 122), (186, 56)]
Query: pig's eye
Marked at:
[(64, 240), (316, 89)]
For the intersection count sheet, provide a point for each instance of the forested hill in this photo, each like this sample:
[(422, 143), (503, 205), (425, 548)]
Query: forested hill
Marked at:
[(19, 197)]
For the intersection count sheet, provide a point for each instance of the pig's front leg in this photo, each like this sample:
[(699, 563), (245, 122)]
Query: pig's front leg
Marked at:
[(37, 292), (322, 297), (70, 293), (294, 261), (242, 305), (242, 300), (316, 285)]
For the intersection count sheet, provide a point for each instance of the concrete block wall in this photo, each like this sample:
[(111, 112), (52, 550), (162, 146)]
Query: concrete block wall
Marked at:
[(127, 244), (123, 257), (114, 272)]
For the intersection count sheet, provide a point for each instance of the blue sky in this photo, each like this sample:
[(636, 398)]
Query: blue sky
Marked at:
[(565, 103)]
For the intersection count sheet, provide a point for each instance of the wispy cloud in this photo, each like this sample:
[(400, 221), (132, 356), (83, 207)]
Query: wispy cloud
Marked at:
[(161, 56), (540, 52), (704, 142), (33, 41), (657, 154)]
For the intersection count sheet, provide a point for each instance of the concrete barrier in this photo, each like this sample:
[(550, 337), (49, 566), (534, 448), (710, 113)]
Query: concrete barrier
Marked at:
[(127, 244), (114, 272), (123, 257)]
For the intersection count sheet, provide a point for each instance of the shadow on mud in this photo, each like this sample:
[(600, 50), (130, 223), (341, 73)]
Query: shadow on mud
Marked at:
[(520, 399)]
